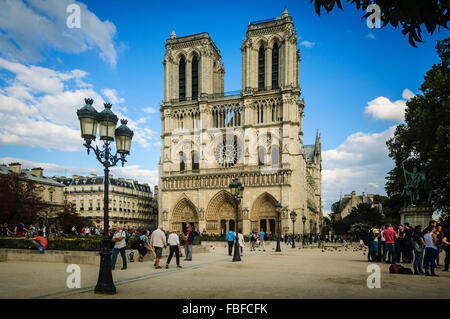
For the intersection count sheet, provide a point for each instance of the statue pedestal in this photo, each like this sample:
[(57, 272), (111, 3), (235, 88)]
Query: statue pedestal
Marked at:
[(416, 215)]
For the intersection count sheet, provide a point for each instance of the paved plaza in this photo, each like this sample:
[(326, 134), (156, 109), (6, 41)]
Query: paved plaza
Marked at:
[(293, 273)]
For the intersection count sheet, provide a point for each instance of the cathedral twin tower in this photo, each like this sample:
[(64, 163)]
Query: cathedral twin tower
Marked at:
[(209, 137)]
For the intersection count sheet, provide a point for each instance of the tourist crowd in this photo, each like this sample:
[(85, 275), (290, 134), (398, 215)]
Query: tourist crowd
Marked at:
[(418, 246)]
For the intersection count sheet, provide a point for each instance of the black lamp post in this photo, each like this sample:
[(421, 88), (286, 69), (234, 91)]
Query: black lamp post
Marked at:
[(237, 191), (278, 210), (303, 232), (293, 218), (89, 120)]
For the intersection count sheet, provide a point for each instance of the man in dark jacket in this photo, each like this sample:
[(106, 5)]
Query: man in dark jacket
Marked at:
[(188, 240)]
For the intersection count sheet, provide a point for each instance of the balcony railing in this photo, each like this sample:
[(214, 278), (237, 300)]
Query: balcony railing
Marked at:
[(213, 96)]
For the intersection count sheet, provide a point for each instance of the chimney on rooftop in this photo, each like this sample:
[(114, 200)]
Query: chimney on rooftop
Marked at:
[(15, 167), (37, 171)]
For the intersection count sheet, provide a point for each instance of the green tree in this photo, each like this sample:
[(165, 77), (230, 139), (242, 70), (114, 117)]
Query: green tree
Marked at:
[(410, 14), (68, 217), (20, 199), (391, 208), (424, 140), (361, 214)]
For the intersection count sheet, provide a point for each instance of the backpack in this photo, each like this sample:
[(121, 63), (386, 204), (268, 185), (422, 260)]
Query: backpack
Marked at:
[(399, 269)]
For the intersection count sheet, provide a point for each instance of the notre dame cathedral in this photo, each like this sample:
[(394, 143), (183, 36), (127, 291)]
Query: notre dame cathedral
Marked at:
[(209, 137)]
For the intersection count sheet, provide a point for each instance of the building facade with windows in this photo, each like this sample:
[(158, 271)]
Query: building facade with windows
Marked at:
[(210, 136), (350, 201), (50, 192), (130, 203)]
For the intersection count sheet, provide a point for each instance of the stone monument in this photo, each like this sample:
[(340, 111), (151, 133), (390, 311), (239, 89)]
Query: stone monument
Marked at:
[(417, 192)]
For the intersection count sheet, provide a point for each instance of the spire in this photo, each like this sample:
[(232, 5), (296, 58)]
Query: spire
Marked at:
[(285, 13), (173, 35)]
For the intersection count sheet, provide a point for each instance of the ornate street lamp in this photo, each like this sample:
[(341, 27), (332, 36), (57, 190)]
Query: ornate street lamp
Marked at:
[(89, 120), (293, 216), (303, 231), (278, 210), (237, 191)]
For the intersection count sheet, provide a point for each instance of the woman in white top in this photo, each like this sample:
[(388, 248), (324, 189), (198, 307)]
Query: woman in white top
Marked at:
[(430, 251), (241, 242)]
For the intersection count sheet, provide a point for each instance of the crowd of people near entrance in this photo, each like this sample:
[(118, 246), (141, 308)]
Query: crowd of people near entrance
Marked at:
[(417, 246), (154, 242)]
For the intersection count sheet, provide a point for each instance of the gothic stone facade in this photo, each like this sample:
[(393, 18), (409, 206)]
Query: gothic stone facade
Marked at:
[(210, 137)]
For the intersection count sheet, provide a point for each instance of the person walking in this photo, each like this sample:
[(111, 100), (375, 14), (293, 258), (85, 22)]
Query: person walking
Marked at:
[(174, 248), (230, 240), (143, 246), (261, 239), (158, 242), (188, 240), (430, 251), (419, 246), (252, 241), (119, 246), (241, 242)]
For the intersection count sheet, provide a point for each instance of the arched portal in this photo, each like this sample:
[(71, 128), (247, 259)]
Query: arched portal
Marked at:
[(263, 214), (184, 213), (221, 214)]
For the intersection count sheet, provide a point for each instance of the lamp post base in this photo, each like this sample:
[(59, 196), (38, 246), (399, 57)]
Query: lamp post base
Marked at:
[(237, 253), (278, 249), (105, 283)]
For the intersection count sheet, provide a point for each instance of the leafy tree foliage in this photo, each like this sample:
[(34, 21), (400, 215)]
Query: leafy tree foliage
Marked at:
[(424, 140), (410, 14), (20, 199), (362, 214), (68, 217), (391, 208)]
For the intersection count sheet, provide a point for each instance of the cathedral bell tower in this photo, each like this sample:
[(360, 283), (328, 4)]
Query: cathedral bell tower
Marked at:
[(270, 59), (192, 68)]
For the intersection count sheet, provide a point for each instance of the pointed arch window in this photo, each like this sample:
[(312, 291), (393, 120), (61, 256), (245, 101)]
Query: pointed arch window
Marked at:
[(275, 63), (261, 156), (182, 162), (195, 78), (195, 161), (275, 156), (261, 67), (182, 80)]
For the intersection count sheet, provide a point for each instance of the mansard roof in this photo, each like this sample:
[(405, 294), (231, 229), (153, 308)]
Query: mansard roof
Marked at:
[(90, 181), (28, 174)]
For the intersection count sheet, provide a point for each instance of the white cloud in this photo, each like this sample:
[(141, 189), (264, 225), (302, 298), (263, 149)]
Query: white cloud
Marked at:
[(38, 108), (28, 28), (134, 172), (370, 36), (111, 94), (307, 44), (407, 94), (360, 163), (149, 110), (383, 109)]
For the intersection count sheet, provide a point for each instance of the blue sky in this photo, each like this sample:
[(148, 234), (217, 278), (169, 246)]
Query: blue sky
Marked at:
[(355, 80)]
